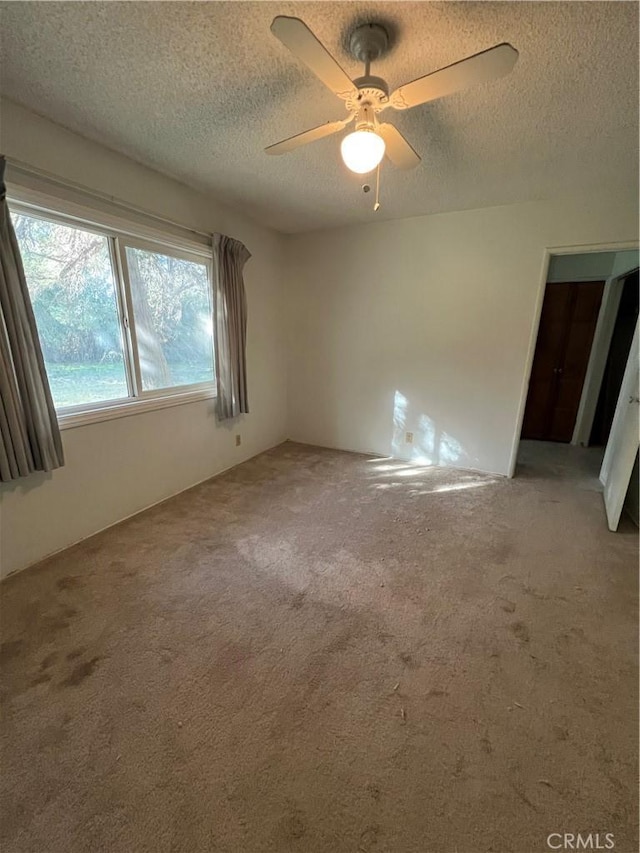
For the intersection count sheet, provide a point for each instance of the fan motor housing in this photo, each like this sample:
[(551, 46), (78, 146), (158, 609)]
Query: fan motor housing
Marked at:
[(370, 85), (371, 91)]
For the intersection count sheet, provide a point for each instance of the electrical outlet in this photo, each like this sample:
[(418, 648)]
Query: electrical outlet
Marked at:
[(238, 441), (409, 438)]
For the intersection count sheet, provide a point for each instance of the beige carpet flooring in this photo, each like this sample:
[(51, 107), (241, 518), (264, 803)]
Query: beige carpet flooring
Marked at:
[(319, 651)]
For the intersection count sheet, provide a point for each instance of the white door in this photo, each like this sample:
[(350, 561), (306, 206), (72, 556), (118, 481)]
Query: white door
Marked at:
[(620, 453)]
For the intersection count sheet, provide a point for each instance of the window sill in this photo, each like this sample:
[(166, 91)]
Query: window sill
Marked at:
[(126, 408)]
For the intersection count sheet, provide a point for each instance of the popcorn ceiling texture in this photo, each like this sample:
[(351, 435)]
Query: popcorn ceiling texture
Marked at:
[(197, 90)]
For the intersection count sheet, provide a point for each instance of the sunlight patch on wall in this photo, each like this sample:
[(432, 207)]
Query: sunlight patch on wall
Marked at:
[(431, 445)]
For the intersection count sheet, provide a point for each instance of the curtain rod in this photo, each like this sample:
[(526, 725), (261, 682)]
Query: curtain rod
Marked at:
[(73, 185)]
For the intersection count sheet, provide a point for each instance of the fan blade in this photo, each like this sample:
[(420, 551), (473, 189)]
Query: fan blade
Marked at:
[(308, 136), (397, 148), (296, 35), (488, 65)]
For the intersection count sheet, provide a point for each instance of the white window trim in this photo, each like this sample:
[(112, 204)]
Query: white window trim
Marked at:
[(97, 219), (35, 203), (72, 417)]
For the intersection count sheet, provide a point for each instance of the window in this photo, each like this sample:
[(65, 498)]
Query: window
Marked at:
[(172, 308), (120, 321)]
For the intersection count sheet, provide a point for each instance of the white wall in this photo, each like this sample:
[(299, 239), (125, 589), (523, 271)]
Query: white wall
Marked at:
[(428, 325), (115, 468), (425, 325)]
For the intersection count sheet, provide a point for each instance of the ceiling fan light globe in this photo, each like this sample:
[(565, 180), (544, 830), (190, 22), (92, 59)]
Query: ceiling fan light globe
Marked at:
[(362, 151)]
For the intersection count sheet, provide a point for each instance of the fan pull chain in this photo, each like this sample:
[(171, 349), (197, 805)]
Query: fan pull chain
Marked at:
[(376, 206)]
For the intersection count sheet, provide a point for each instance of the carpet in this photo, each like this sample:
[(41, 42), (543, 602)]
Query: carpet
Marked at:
[(320, 651)]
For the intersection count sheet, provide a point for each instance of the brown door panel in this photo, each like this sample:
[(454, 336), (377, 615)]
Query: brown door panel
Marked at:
[(567, 324)]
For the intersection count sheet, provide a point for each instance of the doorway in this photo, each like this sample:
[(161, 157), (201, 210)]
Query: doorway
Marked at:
[(575, 424), (587, 320)]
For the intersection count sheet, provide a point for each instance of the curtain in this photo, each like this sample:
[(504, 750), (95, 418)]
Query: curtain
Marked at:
[(29, 434), (230, 313)]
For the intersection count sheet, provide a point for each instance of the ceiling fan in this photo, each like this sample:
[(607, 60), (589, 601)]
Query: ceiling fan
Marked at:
[(367, 96)]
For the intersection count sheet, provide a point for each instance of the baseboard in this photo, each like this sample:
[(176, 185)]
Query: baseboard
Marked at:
[(374, 454), (369, 453)]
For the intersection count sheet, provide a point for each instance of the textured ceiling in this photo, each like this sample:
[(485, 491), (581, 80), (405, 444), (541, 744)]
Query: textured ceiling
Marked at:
[(197, 90)]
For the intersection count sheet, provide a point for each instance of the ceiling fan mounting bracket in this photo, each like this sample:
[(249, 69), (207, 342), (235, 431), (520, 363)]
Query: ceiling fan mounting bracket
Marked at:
[(368, 42)]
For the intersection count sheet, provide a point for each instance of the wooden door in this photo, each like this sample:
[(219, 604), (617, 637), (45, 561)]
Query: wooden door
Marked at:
[(567, 323)]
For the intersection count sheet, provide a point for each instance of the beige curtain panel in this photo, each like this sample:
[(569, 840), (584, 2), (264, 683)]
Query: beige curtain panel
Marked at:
[(29, 434), (230, 312)]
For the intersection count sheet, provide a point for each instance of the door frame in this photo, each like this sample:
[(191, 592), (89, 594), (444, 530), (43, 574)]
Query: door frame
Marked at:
[(622, 446), (548, 251), (602, 340)]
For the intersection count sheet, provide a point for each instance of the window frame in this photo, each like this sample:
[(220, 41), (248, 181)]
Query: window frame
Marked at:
[(118, 239), (121, 245)]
